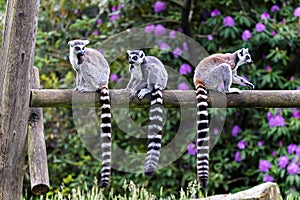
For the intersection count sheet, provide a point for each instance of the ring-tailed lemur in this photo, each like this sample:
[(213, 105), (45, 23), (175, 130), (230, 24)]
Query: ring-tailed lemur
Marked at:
[(92, 74), (209, 74), (148, 75)]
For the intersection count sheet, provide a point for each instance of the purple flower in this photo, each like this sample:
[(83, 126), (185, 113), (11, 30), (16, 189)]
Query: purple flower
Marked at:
[(293, 168), (159, 6), (297, 12), (183, 86), (260, 143), (246, 35), (268, 68), (242, 144), (276, 120), (215, 12), (192, 150), (280, 143), (274, 153), (259, 27), (298, 151), (264, 165), (268, 178), (228, 21), (185, 69), (96, 32), (264, 16), (210, 37), (149, 28), (295, 112), (159, 30), (114, 77), (177, 52), (292, 148), (235, 130), (99, 21), (274, 33), (114, 17), (164, 46), (185, 46), (172, 34), (298, 88), (114, 8), (237, 156), (120, 6), (275, 8), (283, 161)]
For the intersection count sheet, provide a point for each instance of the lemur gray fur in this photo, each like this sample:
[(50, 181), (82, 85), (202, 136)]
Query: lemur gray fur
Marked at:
[(209, 74), (92, 74), (148, 75)]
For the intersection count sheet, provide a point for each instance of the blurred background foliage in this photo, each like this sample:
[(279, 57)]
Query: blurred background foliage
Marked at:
[(256, 145)]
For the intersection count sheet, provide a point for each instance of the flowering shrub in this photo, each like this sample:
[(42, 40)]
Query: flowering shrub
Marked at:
[(256, 145)]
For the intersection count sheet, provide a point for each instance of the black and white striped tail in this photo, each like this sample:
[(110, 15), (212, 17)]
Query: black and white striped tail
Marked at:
[(202, 136), (105, 136), (155, 132)]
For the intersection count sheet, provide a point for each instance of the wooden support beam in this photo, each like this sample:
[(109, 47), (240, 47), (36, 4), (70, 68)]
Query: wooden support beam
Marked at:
[(37, 155), (16, 60), (172, 98)]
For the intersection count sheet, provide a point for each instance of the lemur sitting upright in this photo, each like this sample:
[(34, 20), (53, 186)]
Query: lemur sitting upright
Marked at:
[(148, 75), (92, 74), (209, 74)]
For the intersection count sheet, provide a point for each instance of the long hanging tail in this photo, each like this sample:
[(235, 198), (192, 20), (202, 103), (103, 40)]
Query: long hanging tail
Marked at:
[(155, 132), (105, 136), (202, 136)]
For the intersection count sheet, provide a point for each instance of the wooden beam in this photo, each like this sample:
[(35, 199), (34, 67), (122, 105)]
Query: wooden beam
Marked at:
[(172, 98), (37, 155), (17, 54)]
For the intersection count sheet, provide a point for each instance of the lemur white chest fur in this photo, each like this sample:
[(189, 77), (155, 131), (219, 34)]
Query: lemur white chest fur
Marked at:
[(136, 72)]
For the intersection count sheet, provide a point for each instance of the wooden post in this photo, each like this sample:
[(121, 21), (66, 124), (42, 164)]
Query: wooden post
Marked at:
[(17, 54), (37, 155)]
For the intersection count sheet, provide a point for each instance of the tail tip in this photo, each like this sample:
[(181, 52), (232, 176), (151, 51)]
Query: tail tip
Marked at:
[(104, 184)]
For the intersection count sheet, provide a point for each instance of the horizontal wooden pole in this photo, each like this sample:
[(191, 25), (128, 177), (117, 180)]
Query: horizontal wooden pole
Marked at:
[(172, 98)]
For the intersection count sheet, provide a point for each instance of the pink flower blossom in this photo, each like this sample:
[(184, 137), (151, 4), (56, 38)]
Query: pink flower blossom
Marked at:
[(235, 130), (264, 165), (210, 37), (114, 77), (159, 6), (149, 28), (268, 178), (237, 156), (172, 34), (268, 68), (185, 69), (297, 12), (260, 27), (293, 169), (228, 21), (283, 161), (183, 86), (160, 30), (164, 46), (275, 8), (192, 150), (246, 35), (177, 52), (264, 16), (215, 12)]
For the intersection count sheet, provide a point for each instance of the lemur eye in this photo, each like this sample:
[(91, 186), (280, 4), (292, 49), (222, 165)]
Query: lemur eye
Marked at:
[(134, 58), (77, 48), (247, 57)]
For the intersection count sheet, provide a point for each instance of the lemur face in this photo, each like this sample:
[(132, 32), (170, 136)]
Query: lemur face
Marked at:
[(244, 57), (78, 46), (135, 57)]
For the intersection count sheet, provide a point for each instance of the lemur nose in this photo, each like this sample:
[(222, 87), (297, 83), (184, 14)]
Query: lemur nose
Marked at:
[(131, 62)]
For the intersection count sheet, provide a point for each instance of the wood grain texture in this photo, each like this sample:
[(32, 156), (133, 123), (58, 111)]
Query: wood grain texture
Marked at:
[(172, 98), (37, 155), (18, 50)]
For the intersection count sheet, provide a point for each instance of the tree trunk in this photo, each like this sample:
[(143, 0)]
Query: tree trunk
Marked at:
[(17, 61)]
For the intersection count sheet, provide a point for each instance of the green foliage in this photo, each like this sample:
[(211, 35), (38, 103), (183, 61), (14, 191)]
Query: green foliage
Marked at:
[(276, 54)]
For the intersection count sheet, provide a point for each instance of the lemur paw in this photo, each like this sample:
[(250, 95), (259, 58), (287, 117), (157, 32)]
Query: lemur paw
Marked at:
[(142, 93), (233, 90), (132, 94)]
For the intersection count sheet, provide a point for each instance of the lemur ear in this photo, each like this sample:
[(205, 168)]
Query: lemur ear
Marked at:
[(71, 43), (242, 52), (86, 42), (128, 52), (141, 54)]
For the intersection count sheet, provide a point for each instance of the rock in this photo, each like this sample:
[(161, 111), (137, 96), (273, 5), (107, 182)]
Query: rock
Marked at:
[(265, 191)]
